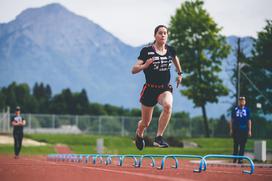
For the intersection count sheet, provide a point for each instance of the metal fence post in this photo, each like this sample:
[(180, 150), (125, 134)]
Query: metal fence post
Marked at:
[(76, 120), (53, 121), (2, 120), (212, 133), (29, 121), (99, 125), (122, 126), (190, 128), (8, 118)]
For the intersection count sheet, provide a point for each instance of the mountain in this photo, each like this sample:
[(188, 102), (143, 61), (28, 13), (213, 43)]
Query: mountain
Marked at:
[(53, 45)]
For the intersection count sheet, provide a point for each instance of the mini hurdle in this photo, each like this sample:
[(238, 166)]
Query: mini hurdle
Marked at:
[(138, 159), (203, 162)]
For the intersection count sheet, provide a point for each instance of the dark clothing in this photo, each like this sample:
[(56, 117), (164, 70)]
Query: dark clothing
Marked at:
[(18, 134), (18, 138), (151, 92), (240, 119), (157, 75), (159, 71), (17, 128), (239, 141)]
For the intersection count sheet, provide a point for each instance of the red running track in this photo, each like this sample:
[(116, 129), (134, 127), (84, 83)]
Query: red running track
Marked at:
[(28, 168)]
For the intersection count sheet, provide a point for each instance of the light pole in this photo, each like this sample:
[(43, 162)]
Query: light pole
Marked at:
[(238, 70)]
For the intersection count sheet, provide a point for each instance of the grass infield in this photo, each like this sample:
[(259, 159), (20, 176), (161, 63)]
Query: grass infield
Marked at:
[(123, 145)]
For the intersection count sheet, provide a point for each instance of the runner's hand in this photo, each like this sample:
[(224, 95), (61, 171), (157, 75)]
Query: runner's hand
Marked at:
[(148, 62), (179, 79)]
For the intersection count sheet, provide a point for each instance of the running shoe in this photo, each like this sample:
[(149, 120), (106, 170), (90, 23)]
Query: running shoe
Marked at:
[(159, 142), (139, 141)]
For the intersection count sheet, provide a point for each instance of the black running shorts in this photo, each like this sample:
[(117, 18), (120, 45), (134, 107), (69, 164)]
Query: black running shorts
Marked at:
[(150, 93)]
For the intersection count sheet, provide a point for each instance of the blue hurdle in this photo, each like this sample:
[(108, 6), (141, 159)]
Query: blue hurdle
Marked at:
[(204, 164), (139, 162), (151, 157), (176, 160), (109, 159), (134, 157)]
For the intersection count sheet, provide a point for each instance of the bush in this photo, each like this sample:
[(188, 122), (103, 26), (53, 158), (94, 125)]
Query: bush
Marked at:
[(174, 142)]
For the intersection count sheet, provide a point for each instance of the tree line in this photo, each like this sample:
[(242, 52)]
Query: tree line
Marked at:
[(39, 99)]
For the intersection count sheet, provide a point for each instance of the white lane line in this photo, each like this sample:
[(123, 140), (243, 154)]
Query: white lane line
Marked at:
[(160, 177)]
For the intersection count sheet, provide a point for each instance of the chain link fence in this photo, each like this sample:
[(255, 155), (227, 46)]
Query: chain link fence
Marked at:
[(104, 125), (122, 126)]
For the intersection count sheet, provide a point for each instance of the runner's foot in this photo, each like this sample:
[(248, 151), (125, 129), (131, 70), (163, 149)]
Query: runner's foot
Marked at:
[(139, 141), (159, 142)]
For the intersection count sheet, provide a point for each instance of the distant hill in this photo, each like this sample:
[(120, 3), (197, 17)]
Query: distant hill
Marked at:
[(53, 45)]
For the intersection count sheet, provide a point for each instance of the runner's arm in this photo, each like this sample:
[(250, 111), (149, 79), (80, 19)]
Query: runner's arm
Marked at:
[(177, 64), (178, 68), (140, 65), (15, 123)]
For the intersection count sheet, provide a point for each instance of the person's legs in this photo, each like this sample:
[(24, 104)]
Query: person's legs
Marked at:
[(142, 124), (235, 145), (146, 119), (242, 145), (166, 100), (20, 140), (16, 144)]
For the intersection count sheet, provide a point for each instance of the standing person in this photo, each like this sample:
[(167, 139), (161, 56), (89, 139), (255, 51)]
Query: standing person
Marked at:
[(18, 123), (155, 61), (240, 128)]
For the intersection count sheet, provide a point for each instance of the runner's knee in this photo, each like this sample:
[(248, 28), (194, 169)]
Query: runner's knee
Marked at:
[(167, 107)]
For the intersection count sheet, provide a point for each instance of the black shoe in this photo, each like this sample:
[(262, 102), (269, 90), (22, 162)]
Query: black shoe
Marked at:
[(234, 161), (159, 142), (139, 141)]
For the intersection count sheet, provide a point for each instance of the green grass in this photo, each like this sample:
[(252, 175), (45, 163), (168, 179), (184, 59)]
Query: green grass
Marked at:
[(124, 145), (28, 150)]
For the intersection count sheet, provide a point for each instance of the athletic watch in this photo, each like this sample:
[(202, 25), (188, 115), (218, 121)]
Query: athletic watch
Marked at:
[(180, 73)]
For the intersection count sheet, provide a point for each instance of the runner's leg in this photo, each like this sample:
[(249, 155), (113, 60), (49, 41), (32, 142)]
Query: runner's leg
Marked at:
[(146, 119), (166, 100)]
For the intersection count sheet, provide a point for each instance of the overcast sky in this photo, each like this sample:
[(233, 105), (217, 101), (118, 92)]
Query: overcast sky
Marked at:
[(133, 21)]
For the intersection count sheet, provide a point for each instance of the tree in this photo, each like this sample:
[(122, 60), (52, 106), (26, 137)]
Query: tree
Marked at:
[(200, 48), (257, 74), (221, 127), (82, 102), (10, 95), (18, 95), (62, 103), (2, 101), (97, 109), (43, 95)]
